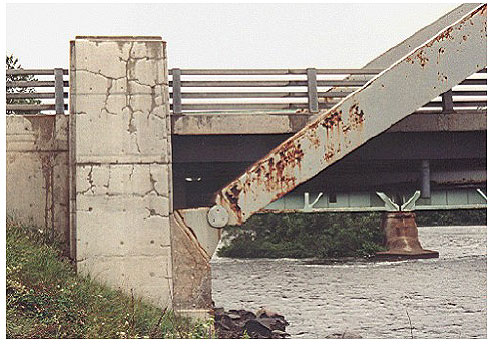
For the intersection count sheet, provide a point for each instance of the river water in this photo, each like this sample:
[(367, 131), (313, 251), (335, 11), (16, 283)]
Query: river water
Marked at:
[(444, 297)]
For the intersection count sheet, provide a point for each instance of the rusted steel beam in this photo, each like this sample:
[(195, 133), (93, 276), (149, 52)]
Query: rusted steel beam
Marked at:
[(428, 71)]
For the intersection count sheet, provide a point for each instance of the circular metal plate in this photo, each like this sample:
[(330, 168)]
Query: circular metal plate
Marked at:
[(217, 216)]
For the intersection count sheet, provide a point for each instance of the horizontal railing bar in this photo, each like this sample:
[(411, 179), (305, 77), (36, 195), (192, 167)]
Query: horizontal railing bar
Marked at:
[(33, 84), (344, 83), (270, 83), (40, 72), (474, 81), (458, 103), (220, 95), (32, 107), (274, 71), (33, 95), (295, 106), (470, 93), (225, 95), (249, 106)]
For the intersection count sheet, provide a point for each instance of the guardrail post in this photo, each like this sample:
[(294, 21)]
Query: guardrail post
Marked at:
[(177, 107), (59, 101), (312, 90), (447, 102)]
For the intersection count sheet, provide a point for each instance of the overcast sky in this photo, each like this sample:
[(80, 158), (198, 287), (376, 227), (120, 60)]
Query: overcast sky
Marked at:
[(224, 35)]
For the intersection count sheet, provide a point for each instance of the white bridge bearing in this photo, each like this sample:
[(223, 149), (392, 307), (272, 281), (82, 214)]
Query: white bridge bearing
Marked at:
[(217, 216)]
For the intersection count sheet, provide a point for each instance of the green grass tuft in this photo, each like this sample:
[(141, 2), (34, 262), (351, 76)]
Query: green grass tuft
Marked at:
[(46, 299)]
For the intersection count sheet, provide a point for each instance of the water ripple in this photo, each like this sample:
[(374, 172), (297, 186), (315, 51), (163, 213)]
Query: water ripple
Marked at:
[(444, 297)]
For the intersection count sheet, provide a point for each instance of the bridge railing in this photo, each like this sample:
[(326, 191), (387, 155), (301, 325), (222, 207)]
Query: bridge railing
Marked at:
[(294, 90), (38, 91), (262, 89), (225, 91)]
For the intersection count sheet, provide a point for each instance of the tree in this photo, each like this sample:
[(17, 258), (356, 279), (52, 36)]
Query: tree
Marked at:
[(13, 63)]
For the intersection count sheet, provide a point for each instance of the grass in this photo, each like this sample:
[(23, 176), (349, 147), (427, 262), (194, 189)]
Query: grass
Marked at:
[(46, 299)]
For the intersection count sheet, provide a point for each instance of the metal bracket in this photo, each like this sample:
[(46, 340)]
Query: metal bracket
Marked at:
[(392, 206), (217, 216), (410, 204), (481, 193), (309, 206), (388, 203)]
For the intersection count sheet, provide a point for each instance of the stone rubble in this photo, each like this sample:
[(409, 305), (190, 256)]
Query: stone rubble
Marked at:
[(235, 324)]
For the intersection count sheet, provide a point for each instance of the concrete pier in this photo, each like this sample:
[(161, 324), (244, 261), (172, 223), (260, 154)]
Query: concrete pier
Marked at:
[(120, 151), (401, 237)]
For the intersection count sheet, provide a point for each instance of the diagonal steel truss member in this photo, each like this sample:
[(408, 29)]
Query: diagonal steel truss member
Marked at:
[(436, 66)]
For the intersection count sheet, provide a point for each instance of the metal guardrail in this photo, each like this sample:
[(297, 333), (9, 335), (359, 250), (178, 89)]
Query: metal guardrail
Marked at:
[(293, 90), (272, 90), (55, 91)]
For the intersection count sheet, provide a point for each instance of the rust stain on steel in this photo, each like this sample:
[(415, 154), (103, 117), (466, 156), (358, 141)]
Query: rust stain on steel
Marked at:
[(345, 127), (277, 170)]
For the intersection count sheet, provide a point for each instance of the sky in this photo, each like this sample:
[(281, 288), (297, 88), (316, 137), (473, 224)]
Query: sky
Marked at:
[(223, 35)]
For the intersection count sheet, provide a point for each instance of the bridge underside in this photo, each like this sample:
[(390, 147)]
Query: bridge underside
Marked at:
[(390, 162)]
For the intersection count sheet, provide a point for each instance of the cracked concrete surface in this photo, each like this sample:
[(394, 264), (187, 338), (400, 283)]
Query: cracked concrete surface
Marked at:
[(122, 164)]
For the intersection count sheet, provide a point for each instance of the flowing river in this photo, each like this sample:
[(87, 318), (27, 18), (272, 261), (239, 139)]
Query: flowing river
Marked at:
[(439, 298)]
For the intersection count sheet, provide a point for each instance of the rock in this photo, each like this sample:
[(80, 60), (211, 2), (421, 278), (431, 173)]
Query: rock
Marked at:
[(225, 320), (275, 323), (233, 324), (246, 315), (255, 328)]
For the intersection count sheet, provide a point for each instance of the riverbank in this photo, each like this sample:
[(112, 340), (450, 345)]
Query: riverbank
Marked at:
[(325, 235), (46, 299)]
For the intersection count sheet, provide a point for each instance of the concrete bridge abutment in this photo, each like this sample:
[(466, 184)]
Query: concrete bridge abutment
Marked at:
[(123, 230)]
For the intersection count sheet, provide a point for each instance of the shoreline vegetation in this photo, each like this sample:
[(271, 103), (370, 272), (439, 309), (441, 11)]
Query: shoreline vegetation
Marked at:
[(47, 299), (326, 235)]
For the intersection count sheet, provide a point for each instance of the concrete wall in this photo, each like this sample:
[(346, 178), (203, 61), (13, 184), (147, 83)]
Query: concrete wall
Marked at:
[(37, 171), (121, 164)]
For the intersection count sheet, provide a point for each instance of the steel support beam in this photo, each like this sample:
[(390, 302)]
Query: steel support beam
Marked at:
[(431, 69)]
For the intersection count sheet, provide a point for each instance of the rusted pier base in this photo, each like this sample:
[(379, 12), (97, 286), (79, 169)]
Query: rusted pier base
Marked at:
[(402, 239)]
